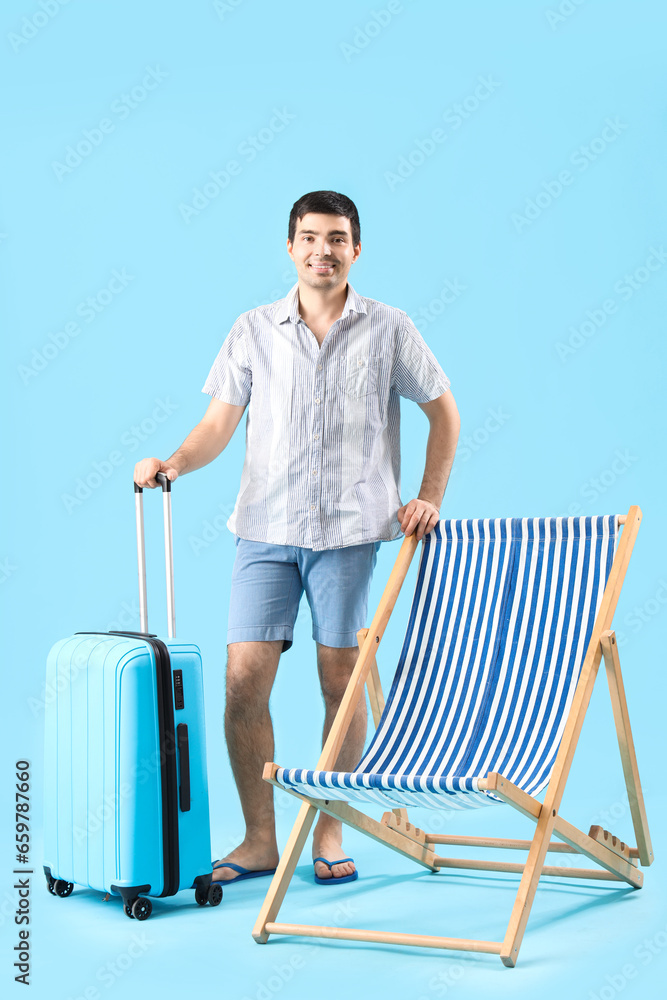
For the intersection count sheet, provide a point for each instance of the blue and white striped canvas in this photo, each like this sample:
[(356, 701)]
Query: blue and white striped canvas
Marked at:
[(501, 619)]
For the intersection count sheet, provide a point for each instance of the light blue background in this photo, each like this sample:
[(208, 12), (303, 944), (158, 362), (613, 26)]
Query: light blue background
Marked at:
[(543, 432)]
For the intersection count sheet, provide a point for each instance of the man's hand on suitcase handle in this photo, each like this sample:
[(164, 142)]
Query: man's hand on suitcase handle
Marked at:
[(146, 470)]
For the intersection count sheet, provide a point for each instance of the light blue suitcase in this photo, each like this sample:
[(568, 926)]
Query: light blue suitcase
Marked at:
[(125, 789)]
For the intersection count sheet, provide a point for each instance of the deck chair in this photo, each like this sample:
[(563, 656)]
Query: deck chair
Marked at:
[(509, 622)]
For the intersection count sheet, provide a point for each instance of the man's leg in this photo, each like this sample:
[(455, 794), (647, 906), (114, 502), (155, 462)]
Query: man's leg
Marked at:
[(251, 671), (335, 665), (337, 582), (264, 600)]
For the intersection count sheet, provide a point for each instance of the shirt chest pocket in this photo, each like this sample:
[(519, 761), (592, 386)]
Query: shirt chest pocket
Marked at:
[(359, 375)]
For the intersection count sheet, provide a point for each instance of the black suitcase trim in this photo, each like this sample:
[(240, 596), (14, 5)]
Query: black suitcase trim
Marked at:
[(168, 751)]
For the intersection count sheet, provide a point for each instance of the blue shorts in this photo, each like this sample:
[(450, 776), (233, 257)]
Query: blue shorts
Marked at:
[(268, 581)]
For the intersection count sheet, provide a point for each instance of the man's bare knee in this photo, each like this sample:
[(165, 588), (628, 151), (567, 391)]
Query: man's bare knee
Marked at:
[(251, 670), (335, 666)]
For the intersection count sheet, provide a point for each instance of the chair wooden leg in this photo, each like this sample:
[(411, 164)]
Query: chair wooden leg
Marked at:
[(509, 951), (575, 719), (376, 699), (355, 686), (284, 872), (626, 746)]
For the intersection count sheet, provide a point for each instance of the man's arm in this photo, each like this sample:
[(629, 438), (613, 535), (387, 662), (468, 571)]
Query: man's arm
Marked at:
[(204, 443), (421, 515)]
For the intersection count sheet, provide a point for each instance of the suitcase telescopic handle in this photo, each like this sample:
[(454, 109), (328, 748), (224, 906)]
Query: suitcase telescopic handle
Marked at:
[(168, 553)]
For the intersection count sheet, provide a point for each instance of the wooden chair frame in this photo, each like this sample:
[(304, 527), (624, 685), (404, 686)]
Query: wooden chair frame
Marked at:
[(617, 861)]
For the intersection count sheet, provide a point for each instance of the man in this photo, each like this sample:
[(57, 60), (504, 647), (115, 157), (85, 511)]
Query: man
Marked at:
[(321, 372)]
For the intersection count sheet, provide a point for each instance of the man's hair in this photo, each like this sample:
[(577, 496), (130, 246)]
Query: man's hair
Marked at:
[(325, 203)]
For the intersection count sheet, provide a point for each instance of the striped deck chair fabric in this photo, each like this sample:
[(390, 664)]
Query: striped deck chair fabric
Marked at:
[(501, 618)]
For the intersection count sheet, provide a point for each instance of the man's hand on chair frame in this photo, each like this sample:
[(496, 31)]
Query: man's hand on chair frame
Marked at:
[(420, 516)]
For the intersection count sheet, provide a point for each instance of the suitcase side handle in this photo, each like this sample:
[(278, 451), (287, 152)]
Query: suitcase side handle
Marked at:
[(168, 553), (184, 759)]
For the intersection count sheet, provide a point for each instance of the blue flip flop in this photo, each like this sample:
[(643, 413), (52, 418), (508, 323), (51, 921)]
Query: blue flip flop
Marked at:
[(244, 873), (332, 880)]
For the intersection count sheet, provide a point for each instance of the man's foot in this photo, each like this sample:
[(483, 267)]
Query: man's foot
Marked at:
[(252, 857), (329, 848)]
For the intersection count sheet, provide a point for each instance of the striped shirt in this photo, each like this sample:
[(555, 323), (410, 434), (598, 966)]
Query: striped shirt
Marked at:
[(322, 462)]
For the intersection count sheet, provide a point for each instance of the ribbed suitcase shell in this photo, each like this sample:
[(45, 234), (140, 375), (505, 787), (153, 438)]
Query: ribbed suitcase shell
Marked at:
[(106, 801)]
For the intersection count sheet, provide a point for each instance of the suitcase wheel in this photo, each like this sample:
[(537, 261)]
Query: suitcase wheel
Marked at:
[(215, 893), (211, 894), (50, 884), (62, 888), (139, 908)]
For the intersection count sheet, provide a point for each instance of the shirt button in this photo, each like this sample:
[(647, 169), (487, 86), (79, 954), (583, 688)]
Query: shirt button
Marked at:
[(317, 400), (312, 506), (317, 437), (319, 368), (314, 472)]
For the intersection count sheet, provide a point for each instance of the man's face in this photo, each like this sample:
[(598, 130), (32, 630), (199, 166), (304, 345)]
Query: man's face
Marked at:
[(322, 249)]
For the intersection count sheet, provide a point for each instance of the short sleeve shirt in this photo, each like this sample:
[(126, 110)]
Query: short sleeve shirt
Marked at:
[(322, 462)]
